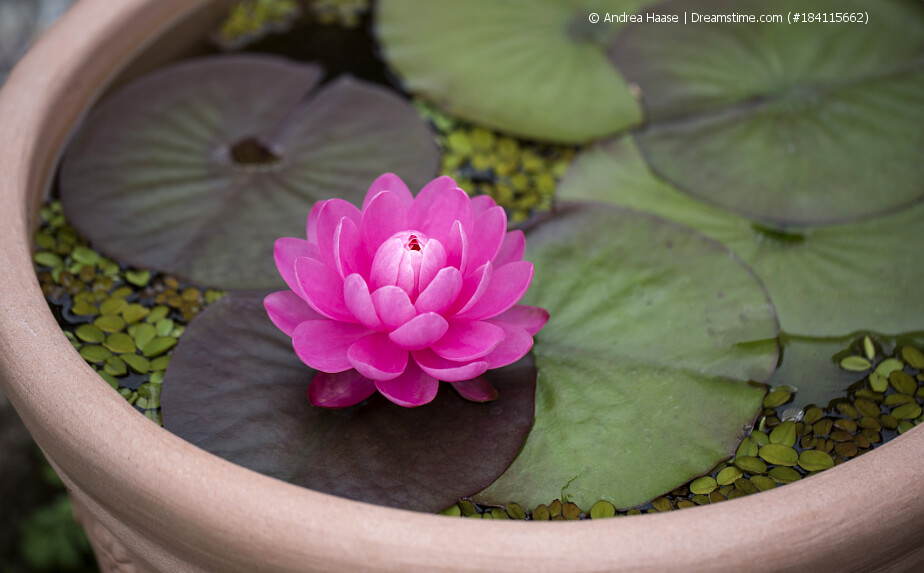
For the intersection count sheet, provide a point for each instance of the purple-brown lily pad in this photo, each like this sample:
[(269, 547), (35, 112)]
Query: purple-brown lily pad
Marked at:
[(236, 389), (196, 169)]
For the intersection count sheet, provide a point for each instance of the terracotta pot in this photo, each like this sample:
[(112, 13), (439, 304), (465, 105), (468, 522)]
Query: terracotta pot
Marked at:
[(150, 501)]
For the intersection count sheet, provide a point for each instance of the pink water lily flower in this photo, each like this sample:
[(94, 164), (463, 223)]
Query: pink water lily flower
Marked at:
[(405, 293)]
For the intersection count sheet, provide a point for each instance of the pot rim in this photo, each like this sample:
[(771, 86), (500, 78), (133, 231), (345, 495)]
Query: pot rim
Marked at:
[(179, 508)]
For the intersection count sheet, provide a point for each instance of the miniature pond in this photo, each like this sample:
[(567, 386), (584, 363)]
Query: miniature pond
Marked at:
[(726, 240)]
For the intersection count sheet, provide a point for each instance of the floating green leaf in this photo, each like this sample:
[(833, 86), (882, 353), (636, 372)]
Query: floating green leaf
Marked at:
[(196, 169), (537, 69), (767, 120), (640, 390), (830, 281), (235, 388)]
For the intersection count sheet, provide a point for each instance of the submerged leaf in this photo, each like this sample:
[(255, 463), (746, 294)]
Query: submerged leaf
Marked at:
[(771, 121), (236, 389), (655, 331), (196, 169), (827, 282), (536, 69)]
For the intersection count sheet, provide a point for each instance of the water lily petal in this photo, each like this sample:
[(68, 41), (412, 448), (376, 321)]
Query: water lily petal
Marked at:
[(322, 288), (386, 264), (385, 215), (474, 287), (482, 203), (393, 306), (339, 390), (359, 302), (489, 233), (285, 251), (328, 219), (507, 286), (433, 259), (287, 310), (439, 204), (348, 257), (376, 357), (468, 340), (311, 227), (323, 344), (512, 249), (412, 388), (517, 342), (447, 370), (529, 318), (420, 332), (441, 292), (476, 390), (389, 182), (457, 248)]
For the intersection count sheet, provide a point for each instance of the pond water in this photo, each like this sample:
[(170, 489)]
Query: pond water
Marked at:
[(651, 296)]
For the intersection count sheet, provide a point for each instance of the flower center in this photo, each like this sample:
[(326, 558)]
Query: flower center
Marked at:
[(412, 244)]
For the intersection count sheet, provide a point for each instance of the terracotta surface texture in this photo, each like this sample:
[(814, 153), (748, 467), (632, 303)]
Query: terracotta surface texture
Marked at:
[(154, 502)]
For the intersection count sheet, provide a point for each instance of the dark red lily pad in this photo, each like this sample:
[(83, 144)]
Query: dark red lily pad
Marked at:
[(236, 389), (197, 168)]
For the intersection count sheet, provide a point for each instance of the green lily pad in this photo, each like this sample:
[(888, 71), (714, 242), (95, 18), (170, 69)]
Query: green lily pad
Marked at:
[(655, 331), (826, 282), (770, 121), (197, 168), (235, 388), (539, 69)]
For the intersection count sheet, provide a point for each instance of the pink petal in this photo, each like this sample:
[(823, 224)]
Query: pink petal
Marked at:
[(476, 390), (323, 344), (347, 257), (427, 195), (389, 182), (433, 259), (474, 287), (412, 388), (508, 285), (311, 229), (468, 340), (378, 358), (322, 288), (328, 219), (512, 249), (385, 215), (287, 310), (438, 205), (386, 265), (420, 332), (480, 204), (339, 390), (447, 370), (359, 302), (489, 231), (457, 248), (517, 342), (285, 251), (441, 292), (529, 318), (393, 306)]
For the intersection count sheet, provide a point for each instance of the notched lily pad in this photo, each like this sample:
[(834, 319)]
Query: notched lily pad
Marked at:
[(236, 389), (196, 169), (767, 120), (655, 332), (833, 281), (536, 69)]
